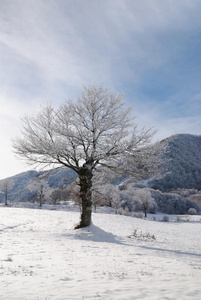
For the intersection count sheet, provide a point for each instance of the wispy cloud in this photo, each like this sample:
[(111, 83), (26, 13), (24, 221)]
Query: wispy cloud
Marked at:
[(147, 49)]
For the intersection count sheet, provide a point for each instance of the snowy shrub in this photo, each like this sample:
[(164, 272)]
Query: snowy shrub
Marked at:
[(124, 211), (142, 236), (166, 218), (192, 211), (178, 219), (140, 215)]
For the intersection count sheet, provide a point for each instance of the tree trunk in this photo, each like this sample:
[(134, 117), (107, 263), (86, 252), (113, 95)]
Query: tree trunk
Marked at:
[(85, 177), (6, 198), (145, 212), (40, 198)]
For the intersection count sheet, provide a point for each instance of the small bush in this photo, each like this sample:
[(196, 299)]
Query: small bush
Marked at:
[(140, 215), (192, 211), (166, 219), (178, 219), (142, 236), (124, 212)]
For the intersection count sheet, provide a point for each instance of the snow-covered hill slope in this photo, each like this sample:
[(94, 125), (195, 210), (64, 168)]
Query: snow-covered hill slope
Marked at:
[(183, 158), (60, 177), (43, 258)]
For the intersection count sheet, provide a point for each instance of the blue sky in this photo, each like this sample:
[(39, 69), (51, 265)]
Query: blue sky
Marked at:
[(149, 50)]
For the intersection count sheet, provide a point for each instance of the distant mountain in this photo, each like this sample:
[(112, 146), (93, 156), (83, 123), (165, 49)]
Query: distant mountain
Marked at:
[(60, 177), (183, 157)]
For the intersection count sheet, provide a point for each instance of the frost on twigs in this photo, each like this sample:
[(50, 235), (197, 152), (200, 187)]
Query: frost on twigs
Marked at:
[(96, 131), (139, 235), (41, 188)]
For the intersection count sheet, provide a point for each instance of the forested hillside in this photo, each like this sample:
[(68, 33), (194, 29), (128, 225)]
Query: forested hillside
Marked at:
[(182, 159), (183, 162)]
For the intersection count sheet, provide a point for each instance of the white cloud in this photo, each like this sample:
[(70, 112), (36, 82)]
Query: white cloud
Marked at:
[(71, 40)]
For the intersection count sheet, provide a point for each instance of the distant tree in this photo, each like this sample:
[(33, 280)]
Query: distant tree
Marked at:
[(112, 195), (73, 191), (100, 181), (96, 131), (98, 198), (143, 196), (59, 195), (42, 189), (5, 186), (130, 191)]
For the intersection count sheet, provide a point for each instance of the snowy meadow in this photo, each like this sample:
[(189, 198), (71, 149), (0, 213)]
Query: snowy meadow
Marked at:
[(117, 257)]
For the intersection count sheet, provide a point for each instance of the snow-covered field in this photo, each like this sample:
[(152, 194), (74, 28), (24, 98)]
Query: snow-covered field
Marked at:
[(42, 257)]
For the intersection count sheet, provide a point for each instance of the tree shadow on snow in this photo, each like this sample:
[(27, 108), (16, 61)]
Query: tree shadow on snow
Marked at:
[(179, 252), (94, 234)]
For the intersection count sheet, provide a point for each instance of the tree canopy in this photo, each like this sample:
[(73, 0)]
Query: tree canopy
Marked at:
[(94, 131)]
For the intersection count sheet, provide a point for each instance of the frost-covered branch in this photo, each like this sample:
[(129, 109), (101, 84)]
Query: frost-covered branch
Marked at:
[(95, 131)]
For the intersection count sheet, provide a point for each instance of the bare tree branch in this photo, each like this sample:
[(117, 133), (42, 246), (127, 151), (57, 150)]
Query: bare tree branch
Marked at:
[(94, 131)]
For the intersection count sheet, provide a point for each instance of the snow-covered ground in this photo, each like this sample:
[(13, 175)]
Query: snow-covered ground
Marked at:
[(42, 257)]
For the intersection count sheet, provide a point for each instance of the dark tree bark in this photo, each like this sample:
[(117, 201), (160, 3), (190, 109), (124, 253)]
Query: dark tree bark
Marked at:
[(6, 197), (85, 178), (145, 213), (145, 208)]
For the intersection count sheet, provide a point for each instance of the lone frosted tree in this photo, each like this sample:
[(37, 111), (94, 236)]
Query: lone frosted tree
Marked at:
[(145, 199), (95, 131), (42, 189), (5, 186)]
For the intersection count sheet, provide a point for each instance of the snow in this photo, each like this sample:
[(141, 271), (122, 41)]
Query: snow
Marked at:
[(43, 258)]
